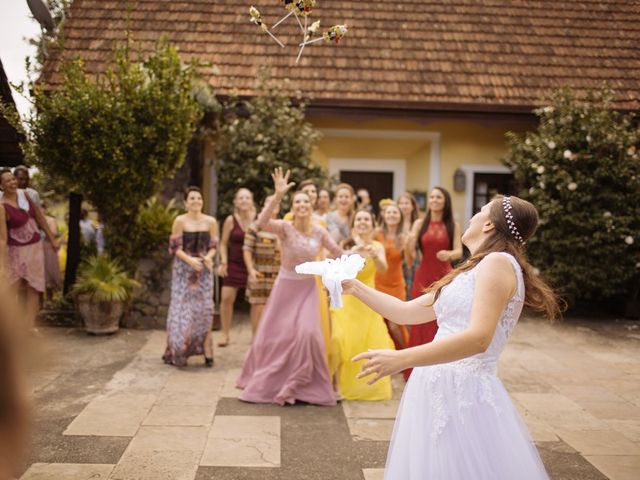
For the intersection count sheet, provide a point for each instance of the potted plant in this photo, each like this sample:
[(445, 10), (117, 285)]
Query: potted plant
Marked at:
[(101, 291)]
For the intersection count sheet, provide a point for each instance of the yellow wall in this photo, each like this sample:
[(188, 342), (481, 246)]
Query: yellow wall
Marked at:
[(462, 142)]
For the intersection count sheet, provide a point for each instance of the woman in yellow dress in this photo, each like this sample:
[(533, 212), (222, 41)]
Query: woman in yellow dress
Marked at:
[(357, 328)]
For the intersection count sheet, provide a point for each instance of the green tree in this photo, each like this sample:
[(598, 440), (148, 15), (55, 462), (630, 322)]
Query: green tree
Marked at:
[(256, 136), (581, 168), (115, 138)]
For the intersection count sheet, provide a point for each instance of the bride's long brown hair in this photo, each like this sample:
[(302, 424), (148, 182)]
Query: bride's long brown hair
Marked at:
[(538, 295)]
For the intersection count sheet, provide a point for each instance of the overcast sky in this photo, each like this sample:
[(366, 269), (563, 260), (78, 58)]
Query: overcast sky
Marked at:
[(16, 24)]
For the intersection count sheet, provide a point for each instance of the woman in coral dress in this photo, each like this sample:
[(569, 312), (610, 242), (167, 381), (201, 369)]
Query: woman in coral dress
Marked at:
[(287, 360), (437, 238), (391, 282), (355, 326)]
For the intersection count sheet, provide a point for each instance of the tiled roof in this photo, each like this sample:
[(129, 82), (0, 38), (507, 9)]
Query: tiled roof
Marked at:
[(443, 54)]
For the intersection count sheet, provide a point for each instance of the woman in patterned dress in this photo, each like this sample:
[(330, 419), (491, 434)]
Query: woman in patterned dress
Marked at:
[(262, 257), (194, 236), (232, 268), (410, 213)]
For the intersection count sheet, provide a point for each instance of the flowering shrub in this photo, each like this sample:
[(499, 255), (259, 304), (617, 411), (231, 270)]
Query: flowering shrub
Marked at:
[(581, 169)]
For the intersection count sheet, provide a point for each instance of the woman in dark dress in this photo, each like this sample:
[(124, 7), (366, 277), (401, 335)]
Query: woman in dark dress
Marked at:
[(232, 268), (194, 236)]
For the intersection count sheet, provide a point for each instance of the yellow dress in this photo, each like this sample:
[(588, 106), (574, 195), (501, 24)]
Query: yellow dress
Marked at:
[(357, 328)]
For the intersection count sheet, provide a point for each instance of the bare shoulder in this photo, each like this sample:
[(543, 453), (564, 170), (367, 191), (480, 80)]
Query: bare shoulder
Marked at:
[(497, 270), (179, 220)]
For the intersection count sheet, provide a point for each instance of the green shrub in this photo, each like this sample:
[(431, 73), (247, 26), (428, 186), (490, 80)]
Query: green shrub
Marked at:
[(104, 280)]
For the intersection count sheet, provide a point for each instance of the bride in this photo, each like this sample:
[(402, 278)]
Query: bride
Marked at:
[(455, 420)]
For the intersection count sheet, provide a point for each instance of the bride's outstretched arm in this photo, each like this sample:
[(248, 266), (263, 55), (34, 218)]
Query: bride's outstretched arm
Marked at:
[(495, 284), (418, 310)]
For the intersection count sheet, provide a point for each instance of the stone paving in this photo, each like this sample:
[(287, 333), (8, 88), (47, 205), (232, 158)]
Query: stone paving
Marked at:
[(108, 408)]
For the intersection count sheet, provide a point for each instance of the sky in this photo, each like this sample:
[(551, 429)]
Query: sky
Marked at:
[(16, 24)]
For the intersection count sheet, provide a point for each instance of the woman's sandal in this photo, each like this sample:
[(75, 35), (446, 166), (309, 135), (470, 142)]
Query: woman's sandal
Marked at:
[(208, 362)]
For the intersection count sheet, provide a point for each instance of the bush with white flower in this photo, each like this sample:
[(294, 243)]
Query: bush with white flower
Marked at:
[(581, 168)]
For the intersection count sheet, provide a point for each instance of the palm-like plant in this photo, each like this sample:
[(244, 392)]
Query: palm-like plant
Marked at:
[(104, 280)]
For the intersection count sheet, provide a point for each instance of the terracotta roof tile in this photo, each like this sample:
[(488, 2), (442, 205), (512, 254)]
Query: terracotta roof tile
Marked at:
[(419, 52)]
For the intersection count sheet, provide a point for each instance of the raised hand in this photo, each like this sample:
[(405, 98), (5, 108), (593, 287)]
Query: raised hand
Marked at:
[(281, 182)]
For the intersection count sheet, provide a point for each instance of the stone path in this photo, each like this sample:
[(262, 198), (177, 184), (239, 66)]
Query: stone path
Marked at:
[(107, 408)]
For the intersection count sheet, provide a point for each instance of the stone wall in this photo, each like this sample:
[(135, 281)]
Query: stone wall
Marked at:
[(151, 300)]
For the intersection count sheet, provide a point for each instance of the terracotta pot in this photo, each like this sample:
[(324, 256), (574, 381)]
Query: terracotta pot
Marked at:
[(99, 317)]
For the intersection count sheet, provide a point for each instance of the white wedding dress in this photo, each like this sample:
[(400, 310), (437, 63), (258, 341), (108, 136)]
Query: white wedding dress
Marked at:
[(456, 420)]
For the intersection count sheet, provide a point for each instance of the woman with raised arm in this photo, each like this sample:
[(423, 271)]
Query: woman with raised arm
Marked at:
[(436, 238), (193, 241), (287, 361), (456, 420)]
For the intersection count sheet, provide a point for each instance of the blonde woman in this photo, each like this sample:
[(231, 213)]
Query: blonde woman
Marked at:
[(339, 221), (232, 268)]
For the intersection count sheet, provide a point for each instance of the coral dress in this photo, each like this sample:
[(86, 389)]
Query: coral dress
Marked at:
[(456, 420), (430, 270), (391, 282), (356, 329), (287, 360)]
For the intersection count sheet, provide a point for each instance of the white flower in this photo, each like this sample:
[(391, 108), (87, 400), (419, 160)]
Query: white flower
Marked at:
[(259, 137), (572, 186), (527, 141), (588, 138), (541, 185), (536, 271), (259, 159), (532, 190), (540, 169), (567, 154), (548, 109), (631, 150), (606, 214), (628, 240), (551, 144), (534, 165)]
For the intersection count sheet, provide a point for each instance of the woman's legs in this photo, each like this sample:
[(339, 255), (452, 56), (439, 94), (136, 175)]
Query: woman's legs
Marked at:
[(32, 305), (228, 297), (256, 313)]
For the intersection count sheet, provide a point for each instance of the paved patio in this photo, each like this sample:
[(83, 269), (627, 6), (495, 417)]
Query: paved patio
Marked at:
[(108, 408)]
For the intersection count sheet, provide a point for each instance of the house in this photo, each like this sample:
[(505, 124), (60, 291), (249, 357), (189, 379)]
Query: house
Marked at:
[(10, 152), (416, 93)]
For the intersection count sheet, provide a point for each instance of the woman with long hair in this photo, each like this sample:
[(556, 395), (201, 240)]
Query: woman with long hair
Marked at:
[(323, 203), (232, 269), (391, 235), (456, 420), (410, 213), (287, 359), (193, 241), (21, 250), (356, 326), (436, 237), (339, 220)]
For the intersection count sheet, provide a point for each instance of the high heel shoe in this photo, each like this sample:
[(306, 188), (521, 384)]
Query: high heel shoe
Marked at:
[(208, 362)]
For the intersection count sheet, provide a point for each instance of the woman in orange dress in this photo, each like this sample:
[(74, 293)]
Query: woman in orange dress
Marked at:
[(392, 237)]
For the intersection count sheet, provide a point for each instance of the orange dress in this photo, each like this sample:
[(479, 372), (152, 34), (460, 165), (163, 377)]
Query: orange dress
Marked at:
[(392, 282)]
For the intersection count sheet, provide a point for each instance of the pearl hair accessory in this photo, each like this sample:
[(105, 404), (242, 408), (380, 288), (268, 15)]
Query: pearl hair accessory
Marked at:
[(506, 206)]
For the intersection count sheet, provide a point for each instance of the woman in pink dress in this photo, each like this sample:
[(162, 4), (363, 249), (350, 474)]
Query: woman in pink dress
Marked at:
[(21, 252), (437, 237), (287, 360)]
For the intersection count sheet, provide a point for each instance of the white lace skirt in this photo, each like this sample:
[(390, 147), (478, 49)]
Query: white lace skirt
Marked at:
[(457, 422)]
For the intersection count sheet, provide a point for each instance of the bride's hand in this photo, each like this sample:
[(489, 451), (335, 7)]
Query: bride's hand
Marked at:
[(379, 363), (349, 286), (281, 182)]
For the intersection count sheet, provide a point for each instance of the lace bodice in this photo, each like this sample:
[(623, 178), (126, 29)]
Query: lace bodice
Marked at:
[(295, 246), (453, 313)]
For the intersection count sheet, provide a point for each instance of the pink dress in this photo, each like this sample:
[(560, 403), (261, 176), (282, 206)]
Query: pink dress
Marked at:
[(287, 360), (25, 255)]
